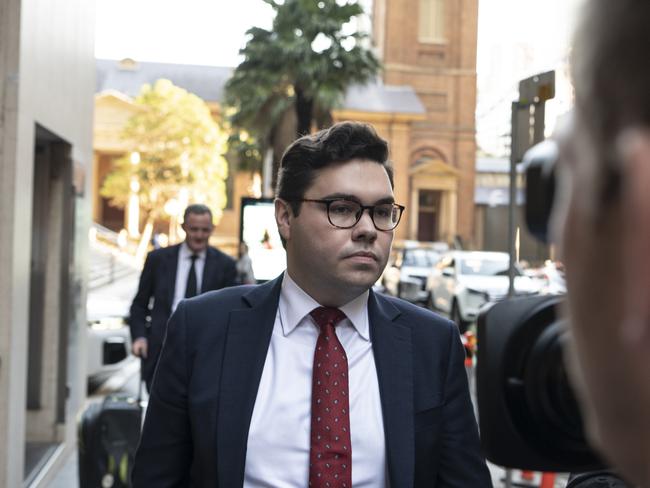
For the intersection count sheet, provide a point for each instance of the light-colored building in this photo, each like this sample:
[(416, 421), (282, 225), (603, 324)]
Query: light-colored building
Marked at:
[(46, 102)]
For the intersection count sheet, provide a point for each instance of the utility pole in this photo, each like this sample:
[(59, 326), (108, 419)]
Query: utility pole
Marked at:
[(527, 130)]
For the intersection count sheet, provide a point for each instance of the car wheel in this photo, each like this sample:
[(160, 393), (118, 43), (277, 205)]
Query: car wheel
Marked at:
[(456, 317)]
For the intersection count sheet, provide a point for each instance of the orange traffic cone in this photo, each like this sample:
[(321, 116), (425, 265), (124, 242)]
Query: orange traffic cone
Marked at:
[(548, 480), (469, 342)]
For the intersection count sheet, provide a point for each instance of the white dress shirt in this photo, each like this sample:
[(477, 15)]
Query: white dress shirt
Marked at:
[(279, 435), (183, 269)]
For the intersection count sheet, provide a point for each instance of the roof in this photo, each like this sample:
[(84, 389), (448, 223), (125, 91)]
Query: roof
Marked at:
[(207, 82), (495, 165), (377, 97)]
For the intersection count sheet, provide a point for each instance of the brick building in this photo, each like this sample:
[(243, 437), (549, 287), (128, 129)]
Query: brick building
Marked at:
[(430, 45)]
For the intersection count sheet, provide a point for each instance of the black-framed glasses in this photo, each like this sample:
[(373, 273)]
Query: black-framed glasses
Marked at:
[(345, 214)]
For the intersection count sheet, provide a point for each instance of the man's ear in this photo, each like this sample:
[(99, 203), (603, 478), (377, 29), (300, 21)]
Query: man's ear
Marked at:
[(634, 155), (283, 216)]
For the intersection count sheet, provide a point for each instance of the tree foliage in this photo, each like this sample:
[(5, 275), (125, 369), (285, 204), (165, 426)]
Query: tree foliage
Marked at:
[(180, 149), (296, 73)]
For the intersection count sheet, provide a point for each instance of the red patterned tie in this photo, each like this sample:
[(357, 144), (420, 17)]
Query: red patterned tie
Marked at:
[(330, 456)]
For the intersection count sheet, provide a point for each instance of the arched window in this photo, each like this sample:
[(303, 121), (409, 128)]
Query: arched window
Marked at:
[(432, 21)]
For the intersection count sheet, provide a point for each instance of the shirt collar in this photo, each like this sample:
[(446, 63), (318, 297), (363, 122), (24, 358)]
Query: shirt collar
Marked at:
[(295, 304), (186, 252)]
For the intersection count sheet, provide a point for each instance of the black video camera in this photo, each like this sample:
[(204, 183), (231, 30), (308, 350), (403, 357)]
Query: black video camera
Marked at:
[(529, 417)]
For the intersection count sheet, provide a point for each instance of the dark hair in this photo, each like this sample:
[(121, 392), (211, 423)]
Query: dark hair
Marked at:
[(611, 75), (340, 143), (197, 208)]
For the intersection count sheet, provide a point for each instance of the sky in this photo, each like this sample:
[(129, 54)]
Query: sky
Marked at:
[(206, 32), (517, 38)]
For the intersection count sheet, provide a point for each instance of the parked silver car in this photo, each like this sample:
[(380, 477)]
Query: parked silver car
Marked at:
[(409, 267), (463, 281)]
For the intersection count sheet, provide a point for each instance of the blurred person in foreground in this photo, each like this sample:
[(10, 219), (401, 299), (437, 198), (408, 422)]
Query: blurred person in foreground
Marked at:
[(602, 223), (312, 379), (171, 274)]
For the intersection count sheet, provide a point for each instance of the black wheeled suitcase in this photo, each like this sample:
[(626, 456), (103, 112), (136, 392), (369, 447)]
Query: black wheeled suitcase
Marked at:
[(108, 435)]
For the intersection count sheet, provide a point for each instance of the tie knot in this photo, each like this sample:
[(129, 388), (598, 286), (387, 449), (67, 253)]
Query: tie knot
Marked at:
[(327, 315), (194, 257)]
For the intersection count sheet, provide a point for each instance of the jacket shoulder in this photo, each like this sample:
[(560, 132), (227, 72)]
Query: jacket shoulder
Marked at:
[(162, 252), (419, 317), (225, 298), (220, 255)]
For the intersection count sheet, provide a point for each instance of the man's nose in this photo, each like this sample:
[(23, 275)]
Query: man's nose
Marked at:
[(365, 228)]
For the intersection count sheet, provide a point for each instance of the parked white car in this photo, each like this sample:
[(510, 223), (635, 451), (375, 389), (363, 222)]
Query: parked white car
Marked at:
[(463, 281), (550, 277), (109, 338), (409, 267)]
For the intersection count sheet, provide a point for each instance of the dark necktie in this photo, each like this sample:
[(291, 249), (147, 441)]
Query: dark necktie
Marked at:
[(190, 289), (330, 454)]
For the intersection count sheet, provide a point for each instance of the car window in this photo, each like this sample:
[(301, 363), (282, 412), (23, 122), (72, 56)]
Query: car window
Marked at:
[(486, 267), (420, 258)]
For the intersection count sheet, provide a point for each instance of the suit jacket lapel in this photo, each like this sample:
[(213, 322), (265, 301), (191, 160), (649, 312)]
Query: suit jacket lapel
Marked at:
[(172, 267), (247, 342), (392, 348)]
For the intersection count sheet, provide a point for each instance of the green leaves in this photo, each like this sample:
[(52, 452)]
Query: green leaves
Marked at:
[(312, 49), (180, 152)]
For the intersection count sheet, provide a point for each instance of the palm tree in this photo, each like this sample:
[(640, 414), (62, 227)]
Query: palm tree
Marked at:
[(293, 75)]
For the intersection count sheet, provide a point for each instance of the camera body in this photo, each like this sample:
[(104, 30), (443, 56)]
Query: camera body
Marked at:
[(528, 414), (529, 417)]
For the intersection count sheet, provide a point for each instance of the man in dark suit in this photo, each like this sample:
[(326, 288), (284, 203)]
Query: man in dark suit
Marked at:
[(312, 379), (171, 274)]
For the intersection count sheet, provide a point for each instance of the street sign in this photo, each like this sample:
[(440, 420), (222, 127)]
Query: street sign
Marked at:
[(537, 88), (527, 128)]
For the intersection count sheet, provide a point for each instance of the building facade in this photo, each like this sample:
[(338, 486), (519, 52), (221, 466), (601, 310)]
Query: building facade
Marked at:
[(492, 212), (430, 45), (46, 103)]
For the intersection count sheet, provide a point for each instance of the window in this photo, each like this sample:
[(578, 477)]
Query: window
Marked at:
[(432, 21)]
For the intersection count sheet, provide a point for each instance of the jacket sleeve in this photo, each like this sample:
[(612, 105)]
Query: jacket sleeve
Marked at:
[(140, 306), (462, 464), (164, 456)]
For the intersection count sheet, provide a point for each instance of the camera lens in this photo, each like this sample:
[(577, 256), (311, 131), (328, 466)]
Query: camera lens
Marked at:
[(552, 403), (541, 400)]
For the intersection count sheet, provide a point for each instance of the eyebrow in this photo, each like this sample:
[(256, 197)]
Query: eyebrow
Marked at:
[(354, 198)]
